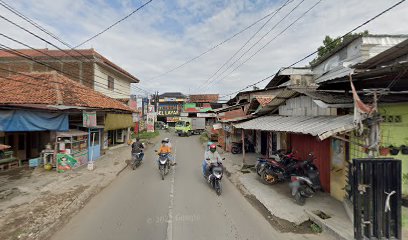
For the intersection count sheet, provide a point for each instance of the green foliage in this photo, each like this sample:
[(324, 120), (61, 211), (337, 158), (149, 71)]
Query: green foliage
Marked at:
[(146, 135), (405, 178), (329, 44), (204, 137), (316, 228)]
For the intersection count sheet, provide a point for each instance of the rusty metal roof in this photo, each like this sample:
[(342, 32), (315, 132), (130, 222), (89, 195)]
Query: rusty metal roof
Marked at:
[(321, 126)]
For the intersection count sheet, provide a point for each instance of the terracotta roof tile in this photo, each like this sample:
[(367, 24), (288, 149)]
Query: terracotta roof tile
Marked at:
[(53, 89)]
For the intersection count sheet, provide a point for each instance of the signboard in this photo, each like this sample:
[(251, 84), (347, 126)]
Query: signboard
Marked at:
[(172, 119), (169, 109), (135, 117), (65, 162), (150, 122), (183, 114), (217, 126), (206, 115), (89, 119)]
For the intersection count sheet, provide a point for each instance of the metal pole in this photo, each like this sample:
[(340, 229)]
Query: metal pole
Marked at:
[(243, 147)]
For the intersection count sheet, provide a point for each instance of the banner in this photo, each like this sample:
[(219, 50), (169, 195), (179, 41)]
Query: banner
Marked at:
[(65, 162), (89, 119)]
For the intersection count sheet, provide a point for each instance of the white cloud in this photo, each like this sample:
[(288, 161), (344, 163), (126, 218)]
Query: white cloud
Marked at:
[(164, 35)]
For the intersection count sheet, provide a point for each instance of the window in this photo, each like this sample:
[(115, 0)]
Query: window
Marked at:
[(111, 82), (199, 104)]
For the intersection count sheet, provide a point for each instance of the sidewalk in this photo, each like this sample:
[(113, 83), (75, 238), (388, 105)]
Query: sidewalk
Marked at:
[(279, 202), (34, 203)]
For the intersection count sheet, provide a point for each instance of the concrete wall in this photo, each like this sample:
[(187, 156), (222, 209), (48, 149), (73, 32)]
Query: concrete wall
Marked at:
[(357, 51), (121, 84), (392, 133)]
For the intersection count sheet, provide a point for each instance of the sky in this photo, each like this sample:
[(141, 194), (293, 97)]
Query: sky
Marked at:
[(166, 33)]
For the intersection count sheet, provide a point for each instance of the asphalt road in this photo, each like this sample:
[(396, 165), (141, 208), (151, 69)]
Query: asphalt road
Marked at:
[(139, 205)]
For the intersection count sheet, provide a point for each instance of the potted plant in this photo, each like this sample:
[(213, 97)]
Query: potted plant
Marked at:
[(384, 151), (394, 150), (404, 149)]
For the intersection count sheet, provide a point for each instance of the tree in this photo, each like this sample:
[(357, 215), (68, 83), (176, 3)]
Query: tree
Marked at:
[(329, 44)]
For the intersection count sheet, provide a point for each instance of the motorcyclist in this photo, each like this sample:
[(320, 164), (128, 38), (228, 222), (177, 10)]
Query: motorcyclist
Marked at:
[(137, 147), (207, 149), (164, 149), (211, 157), (170, 156)]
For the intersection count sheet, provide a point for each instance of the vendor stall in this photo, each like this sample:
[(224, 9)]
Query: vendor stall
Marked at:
[(73, 144)]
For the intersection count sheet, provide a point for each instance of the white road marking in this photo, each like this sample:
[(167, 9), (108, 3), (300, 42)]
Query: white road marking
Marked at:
[(169, 235)]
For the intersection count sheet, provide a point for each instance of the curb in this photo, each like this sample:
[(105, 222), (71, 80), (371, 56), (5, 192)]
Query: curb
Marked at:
[(325, 227)]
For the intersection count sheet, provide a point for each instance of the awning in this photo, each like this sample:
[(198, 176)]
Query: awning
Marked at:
[(23, 120), (320, 126)]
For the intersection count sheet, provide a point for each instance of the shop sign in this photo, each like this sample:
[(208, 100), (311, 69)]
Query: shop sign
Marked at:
[(217, 126), (89, 119), (172, 119), (206, 115)]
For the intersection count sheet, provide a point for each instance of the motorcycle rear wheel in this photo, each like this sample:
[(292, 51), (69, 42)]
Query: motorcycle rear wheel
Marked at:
[(235, 150), (269, 178), (299, 199)]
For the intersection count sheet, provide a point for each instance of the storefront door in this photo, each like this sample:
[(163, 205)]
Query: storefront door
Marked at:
[(94, 144)]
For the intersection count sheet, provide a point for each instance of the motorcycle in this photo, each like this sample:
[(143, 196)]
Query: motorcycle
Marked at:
[(214, 179), (278, 169), (164, 164), (236, 147), (261, 162), (136, 160), (306, 185)]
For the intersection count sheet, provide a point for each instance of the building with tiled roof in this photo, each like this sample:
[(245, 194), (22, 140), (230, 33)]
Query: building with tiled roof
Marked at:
[(55, 91), (85, 66)]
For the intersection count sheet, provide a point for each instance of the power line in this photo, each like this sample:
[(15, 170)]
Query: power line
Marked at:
[(20, 54), (48, 42), (311, 54), (265, 45), (213, 47), (236, 52), (114, 24)]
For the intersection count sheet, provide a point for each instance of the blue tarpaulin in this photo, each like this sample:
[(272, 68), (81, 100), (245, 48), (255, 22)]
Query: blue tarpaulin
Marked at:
[(24, 120)]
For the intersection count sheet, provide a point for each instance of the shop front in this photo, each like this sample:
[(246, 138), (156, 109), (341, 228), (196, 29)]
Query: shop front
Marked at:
[(28, 134), (117, 129)]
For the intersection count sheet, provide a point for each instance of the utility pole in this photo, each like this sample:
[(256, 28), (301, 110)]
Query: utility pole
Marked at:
[(373, 122)]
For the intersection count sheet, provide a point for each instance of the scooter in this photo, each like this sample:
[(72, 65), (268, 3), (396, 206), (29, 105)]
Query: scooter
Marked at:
[(137, 159), (164, 164), (214, 179), (305, 186)]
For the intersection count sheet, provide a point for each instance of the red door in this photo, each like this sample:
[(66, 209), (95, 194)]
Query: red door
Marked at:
[(304, 144)]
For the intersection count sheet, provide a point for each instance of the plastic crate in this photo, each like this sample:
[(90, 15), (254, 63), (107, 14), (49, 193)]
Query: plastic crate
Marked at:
[(34, 162)]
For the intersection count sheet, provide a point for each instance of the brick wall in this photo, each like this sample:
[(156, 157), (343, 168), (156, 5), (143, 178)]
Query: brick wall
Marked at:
[(74, 69)]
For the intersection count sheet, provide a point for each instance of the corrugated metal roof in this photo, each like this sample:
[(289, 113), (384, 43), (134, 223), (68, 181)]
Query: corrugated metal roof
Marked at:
[(237, 119), (338, 72), (320, 126), (279, 99)]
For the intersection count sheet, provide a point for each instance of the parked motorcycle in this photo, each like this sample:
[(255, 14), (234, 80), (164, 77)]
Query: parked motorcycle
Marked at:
[(236, 147), (164, 164), (260, 163), (305, 185), (215, 176), (136, 160), (278, 169)]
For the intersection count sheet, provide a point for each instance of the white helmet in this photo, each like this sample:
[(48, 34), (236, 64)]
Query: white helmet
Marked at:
[(166, 140)]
